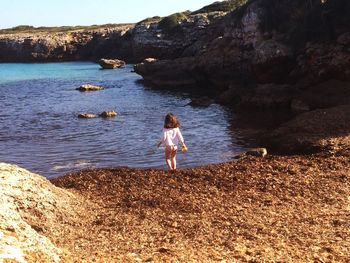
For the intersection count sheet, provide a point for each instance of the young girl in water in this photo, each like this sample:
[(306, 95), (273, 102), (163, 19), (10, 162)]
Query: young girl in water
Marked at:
[(170, 137)]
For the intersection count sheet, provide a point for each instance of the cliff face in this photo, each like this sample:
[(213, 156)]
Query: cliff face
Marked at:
[(178, 35), (73, 45), (268, 50), (187, 36)]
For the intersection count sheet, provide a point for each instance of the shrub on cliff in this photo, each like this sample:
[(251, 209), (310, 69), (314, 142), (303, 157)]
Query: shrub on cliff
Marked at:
[(169, 23), (149, 20)]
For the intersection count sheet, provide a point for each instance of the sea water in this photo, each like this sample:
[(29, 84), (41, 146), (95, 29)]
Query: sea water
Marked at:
[(40, 130)]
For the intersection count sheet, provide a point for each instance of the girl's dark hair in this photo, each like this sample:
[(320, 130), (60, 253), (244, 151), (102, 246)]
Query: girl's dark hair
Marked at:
[(171, 121)]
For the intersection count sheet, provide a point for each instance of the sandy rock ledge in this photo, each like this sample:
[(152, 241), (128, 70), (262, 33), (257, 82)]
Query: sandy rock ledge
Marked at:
[(32, 209)]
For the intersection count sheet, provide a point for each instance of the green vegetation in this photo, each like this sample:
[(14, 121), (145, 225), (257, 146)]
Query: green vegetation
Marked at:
[(169, 23), (149, 20), (31, 29), (224, 6)]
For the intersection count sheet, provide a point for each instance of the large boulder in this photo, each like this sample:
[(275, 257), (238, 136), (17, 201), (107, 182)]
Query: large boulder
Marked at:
[(33, 214), (111, 63), (166, 73)]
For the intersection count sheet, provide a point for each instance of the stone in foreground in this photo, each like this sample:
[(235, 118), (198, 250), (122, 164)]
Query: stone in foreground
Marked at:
[(258, 152), (111, 63), (89, 87), (33, 210), (108, 114)]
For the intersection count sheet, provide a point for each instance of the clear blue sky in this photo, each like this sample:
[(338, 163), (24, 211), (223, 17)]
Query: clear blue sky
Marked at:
[(88, 12)]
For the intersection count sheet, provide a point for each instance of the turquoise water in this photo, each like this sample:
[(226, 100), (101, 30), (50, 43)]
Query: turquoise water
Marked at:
[(40, 130)]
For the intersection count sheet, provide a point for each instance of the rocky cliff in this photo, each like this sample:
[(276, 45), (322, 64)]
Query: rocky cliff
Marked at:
[(59, 46), (180, 34), (268, 54)]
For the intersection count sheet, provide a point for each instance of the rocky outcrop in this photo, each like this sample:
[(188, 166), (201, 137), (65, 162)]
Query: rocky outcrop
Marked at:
[(111, 63), (157, 72), (323, 130), (188, 37), (33, 214), (266, 56)]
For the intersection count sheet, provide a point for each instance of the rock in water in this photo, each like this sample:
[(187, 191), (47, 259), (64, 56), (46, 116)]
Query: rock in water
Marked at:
[(89, 87), (87, 115), (111, 63), (108, 114)]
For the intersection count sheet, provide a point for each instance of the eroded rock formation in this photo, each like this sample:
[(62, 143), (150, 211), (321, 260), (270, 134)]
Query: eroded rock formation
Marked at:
[(34, 216)]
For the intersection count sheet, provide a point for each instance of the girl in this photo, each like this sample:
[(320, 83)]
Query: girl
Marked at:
[(171, 137)]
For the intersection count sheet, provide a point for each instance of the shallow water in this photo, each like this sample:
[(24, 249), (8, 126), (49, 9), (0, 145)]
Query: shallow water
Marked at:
[(40, 130)]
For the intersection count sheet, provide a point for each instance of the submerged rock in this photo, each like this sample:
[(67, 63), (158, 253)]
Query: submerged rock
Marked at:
[(111, 63), (108, 114), (89, 87)]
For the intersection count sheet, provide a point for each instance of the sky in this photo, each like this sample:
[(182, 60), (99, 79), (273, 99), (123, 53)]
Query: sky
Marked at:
[(88, 12)]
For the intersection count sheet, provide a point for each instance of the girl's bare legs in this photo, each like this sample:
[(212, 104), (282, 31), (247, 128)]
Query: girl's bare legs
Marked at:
[(173, 161), (169, 163), (168, 157)]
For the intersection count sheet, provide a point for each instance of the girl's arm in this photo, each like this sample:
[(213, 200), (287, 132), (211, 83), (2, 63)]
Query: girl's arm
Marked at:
[(181, 138)]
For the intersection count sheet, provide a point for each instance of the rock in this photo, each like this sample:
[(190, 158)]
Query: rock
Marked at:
[(326, 94), (89, 87), (108, 114), (30, 203), (150, 60), (344, 39), (166, 73), (111, 63), (265, 96), (258, 152), (200, 102), (87, 115), (321, 130), (299, 106)]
